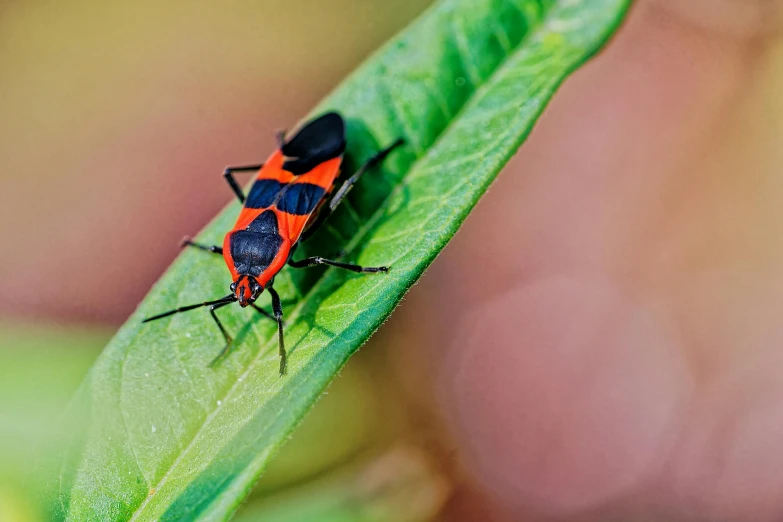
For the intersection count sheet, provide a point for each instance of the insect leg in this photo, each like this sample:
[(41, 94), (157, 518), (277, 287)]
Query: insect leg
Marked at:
[(315, 261), (230, 298), (186, 241), (346, 186), (229, 175), (277, 308), (227, 337), (263, 312), (370, 163)]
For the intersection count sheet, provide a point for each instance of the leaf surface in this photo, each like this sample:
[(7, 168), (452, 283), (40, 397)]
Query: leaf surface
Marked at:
[(162, 436)]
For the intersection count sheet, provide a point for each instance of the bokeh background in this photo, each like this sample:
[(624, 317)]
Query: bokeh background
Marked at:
[(657, 168)]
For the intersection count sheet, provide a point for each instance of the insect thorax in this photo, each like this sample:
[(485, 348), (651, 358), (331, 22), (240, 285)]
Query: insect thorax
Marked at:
[(254, 249)]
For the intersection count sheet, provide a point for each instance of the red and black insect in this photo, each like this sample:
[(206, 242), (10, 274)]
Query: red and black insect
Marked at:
[(286, 203)]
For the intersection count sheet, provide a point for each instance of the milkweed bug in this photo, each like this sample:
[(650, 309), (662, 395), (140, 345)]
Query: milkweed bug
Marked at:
[(285, 205)]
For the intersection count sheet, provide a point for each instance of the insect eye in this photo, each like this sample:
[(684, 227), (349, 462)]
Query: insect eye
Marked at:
[(233, 287)]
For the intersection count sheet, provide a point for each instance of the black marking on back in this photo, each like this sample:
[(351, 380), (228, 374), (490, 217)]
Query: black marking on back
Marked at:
[(263, 193), (300, 198), (264, 223), (320, 140), (254, 249)]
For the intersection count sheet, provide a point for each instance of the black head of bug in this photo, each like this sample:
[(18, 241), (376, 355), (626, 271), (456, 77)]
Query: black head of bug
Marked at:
[(246, 289)]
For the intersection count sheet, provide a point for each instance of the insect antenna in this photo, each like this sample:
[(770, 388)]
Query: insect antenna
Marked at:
[(223, 300)]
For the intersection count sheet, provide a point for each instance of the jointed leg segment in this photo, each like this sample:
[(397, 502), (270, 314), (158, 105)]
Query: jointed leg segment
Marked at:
[(315, 261), (377, 159), (232, 182), (277, 308), (186, 241), (226, 337)]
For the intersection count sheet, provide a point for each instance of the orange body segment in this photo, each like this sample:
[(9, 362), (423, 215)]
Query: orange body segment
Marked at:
[(293, 200)]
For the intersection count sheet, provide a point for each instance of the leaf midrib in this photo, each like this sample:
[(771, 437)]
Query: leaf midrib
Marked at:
[(363, 231)]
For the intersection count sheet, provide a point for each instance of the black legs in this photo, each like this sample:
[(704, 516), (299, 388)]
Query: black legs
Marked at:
[(186, 241), (262, 311), (229, 175), (229, 340), (232, 182), (370, 163), (277, 308), (230, 298), (278, 317), (226, 337), (315, 261), (220, 303)]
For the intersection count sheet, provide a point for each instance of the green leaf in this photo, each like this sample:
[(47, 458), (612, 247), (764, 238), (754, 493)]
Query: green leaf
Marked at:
[(162, 436)]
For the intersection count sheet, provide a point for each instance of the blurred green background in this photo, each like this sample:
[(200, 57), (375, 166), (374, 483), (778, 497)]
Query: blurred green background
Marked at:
[(116, 121)]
